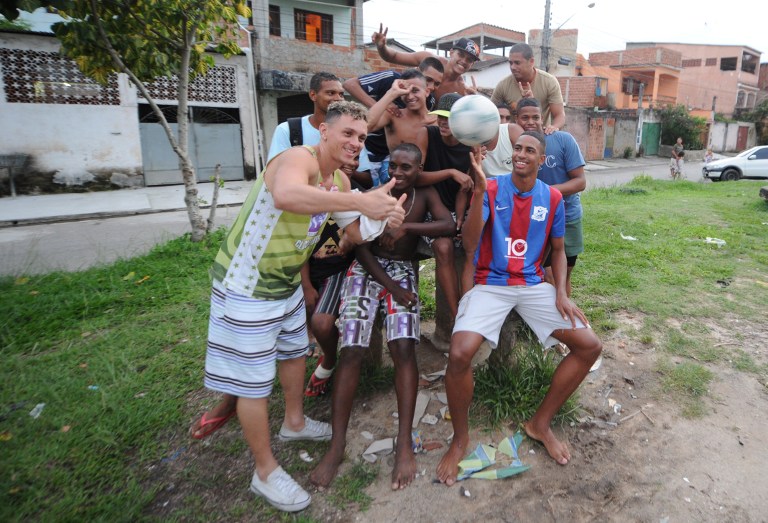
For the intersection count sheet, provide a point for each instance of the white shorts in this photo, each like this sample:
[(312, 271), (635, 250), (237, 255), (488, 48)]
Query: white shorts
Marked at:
[(484, 308), (246, 336)]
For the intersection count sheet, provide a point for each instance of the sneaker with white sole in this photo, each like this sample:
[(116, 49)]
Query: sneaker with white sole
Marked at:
[(313, 431), (281, 491)]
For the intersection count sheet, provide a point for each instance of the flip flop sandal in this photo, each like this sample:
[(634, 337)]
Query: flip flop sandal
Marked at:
[(317, 386), (209, 426)]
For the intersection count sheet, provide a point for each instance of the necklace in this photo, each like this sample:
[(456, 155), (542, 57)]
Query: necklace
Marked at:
[(413, 198)]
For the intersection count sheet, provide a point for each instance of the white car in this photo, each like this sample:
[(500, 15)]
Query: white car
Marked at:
[(752, 163)]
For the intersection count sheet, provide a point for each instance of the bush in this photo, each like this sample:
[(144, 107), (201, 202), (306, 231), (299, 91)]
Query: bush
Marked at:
[(676, 122), (628, 152)]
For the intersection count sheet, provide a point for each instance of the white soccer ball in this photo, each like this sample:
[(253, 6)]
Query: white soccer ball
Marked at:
[(474, 119)]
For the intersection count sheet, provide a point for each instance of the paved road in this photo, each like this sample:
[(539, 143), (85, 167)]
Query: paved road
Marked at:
[(73, 246)]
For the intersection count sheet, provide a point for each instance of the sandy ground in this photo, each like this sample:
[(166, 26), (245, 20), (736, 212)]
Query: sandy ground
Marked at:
[(632, 465)]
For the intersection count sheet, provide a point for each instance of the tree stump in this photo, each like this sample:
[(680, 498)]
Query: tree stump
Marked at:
[(441, 338)]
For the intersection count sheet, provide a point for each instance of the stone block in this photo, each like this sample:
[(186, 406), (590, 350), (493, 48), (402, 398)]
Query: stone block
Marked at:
[(126, 180), (73, 177)]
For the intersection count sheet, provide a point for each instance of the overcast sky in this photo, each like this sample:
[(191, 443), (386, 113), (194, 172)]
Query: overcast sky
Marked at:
[(608, 26)]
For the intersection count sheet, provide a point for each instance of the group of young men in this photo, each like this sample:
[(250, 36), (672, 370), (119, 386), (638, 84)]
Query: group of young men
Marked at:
[(307, 250)]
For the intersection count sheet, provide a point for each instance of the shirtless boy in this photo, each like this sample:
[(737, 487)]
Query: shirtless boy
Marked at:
[(383, 277), (411, 88)]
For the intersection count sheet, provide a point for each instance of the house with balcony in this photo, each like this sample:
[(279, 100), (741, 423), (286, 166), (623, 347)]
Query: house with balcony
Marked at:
[(642, 77), (719, 78), (291, 41)]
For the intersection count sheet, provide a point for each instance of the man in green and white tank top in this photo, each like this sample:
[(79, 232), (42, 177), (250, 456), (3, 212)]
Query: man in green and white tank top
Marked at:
[(257, 309)]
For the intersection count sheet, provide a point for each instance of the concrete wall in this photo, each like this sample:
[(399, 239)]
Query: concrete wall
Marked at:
[(72, 137), (343, 32), (589, 129), (724, 136), (98, 139), (577, 123), (63, 137), (343, 58), (563, 44), (491, 76)]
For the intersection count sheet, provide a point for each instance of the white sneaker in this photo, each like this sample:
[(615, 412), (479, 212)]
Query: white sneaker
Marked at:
[(281, 491), (313, 431), (596, 364)]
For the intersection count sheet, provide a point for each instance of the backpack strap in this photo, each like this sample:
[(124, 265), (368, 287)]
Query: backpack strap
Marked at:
[(294, 130)]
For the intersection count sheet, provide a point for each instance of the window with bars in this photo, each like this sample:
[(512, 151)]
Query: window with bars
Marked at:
[(710, 62), (274, 20), (50, 78), (749, 62), (313, 27), (694, 62), (630, 86)]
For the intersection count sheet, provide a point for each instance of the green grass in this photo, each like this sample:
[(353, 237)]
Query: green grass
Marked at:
[(348, 488), (136, 331), (670, 271), (524, 377), (689, 382), (427, 284)]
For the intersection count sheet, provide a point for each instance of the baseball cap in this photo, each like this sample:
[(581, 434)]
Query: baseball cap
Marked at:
[(468, 46), (445, 104)]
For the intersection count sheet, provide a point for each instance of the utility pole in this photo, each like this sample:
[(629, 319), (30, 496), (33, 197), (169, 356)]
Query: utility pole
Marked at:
[(639, 134), (711, 123), (546, 36)]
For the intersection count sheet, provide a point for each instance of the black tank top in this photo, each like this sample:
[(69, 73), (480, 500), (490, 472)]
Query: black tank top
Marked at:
[(441, 156)]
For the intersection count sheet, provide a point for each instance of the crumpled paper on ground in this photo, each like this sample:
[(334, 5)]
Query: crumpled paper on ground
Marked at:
[(474, 465)]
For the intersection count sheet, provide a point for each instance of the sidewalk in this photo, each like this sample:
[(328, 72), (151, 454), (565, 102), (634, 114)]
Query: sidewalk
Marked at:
[(52, 208), (624, 163)]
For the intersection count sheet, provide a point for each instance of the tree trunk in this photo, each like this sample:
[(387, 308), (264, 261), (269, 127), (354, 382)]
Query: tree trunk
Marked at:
[(181, 145), (188, 174), (214, 198), (191, 200)]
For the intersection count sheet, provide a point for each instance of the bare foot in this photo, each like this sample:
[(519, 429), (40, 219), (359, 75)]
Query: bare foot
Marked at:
[(326, 470), (556, 448), (448, 468), (405, 468)]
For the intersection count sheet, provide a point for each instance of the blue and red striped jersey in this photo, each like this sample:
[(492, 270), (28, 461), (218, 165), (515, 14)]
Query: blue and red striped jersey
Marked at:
[(516, 231)]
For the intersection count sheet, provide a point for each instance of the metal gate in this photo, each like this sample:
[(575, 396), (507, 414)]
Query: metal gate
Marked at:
[(741, 138), (214, 138), (651, 137)]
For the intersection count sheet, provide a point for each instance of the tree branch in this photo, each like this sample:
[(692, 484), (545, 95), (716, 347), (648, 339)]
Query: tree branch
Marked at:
[(134, 79)]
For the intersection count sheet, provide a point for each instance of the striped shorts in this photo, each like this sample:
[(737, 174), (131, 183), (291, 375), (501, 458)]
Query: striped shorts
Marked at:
[(246, 336), (329, 294)]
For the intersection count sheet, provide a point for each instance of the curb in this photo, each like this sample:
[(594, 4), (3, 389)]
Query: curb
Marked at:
[(4, 224)]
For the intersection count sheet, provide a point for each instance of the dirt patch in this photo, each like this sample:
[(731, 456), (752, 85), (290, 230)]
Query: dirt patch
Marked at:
[(641, 461)]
